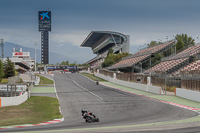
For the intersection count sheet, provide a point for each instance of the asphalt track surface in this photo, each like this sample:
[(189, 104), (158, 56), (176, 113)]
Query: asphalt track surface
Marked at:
[(113, 107)]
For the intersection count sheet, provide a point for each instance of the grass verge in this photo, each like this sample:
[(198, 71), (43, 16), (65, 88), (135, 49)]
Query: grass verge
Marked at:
[(44, 81), (4, 80), (91, 76), (35, 110)]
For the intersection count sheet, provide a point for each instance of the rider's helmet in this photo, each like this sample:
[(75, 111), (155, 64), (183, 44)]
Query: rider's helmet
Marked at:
[(83, 110)]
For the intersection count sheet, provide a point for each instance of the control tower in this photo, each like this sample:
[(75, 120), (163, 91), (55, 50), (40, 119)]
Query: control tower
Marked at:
[(2, 46), (44, 26)]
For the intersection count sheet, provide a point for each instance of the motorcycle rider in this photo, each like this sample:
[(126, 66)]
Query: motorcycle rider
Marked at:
[(97, 81), (86, 113)]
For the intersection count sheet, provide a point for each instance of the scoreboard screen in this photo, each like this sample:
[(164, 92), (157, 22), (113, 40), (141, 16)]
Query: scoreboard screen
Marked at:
[(44, 20)]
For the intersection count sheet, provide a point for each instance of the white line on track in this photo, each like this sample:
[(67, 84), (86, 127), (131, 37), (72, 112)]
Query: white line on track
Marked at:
[(87, 90)]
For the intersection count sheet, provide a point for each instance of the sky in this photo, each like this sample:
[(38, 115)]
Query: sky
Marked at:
[(73, 20)]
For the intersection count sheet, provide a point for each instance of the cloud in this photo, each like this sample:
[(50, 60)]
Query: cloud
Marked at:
[(139, 41), (60, 45), (21, 36), (74, 38)]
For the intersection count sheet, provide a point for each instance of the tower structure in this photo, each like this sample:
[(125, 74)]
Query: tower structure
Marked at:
[(44, 26), (2, 46)]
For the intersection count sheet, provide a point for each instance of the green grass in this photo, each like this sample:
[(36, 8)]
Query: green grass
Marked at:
[(41, 89), (21, 81), (44, 81), (4, 80), (35, 110), (91, 76)]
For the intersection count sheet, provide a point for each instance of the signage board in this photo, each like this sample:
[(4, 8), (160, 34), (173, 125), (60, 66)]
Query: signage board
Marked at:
[(61, 67), (44, 20)]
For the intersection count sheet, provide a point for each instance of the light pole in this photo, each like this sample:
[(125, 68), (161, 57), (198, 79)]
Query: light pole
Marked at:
[(2, 45), (35, 57)]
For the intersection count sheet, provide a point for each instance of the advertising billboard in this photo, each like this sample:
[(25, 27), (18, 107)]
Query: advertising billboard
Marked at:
[(44, 20), (21, 54)]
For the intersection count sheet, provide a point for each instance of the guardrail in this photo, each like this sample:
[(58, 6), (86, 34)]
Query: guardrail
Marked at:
[(143, 87), (16, 100), (188, 94), (9, 101)]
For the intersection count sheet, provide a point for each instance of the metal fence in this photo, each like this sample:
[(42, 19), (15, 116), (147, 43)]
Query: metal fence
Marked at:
[(11, 90), (187, 80), (191, 80), (106, 73)]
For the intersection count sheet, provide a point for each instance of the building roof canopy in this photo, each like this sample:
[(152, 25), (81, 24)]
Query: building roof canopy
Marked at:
[(94, 36)]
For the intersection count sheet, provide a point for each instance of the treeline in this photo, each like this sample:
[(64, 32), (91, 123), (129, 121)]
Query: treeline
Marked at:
[(7, 69), (67, 63)]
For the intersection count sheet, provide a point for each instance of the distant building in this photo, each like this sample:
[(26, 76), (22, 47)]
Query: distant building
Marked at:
[(22, 60), (100, 43)]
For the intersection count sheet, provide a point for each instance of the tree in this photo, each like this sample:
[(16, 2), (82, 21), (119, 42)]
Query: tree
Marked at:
[(9, 68), (113, 58), (157, 58), (153, 43), (65, 63), (110, 51), (1, 70), (183, 41), (179, 44)]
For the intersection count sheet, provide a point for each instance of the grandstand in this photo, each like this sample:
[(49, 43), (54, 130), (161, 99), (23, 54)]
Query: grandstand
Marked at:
[(100, 43), (182, 61), (135, 62), (22, 60), (194, 66)]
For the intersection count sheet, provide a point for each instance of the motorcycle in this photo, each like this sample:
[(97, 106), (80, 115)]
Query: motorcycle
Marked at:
[(89, 117), (97, 82)]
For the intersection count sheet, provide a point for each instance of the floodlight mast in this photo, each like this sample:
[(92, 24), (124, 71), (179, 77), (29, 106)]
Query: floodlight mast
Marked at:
[(2, 51), (35, 58)]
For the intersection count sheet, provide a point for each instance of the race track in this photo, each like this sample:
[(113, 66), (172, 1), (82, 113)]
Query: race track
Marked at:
[(113, 107)]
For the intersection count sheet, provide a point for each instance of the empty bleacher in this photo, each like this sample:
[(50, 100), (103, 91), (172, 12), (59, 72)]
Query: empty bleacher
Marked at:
[(193, 50), (177, 63), (129, 62), (154, 49), (142, 55), (194, 66), (167, 66)]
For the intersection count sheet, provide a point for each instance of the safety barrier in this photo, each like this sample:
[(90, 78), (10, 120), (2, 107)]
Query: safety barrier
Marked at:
[(143, 87), (16, 100), (188, 94), (9, 101)]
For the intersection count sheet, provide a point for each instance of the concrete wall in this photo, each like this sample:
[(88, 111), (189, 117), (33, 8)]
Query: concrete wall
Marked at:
[(9, 101), (37, 81), (84, 71), (143, 87), (188, 94)]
